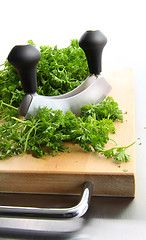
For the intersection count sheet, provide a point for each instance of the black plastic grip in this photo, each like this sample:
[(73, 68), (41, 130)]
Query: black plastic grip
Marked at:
[(25, 58), (93, 42)]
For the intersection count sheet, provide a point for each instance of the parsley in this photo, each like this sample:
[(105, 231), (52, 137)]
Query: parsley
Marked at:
[(46, 132), (125, 170), (58, 71), (109, 109)]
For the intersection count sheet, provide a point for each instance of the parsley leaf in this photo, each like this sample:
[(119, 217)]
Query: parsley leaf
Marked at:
[(108, 109)]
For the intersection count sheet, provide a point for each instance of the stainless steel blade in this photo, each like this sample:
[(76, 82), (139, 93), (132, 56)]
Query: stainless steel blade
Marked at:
[(93, 92)]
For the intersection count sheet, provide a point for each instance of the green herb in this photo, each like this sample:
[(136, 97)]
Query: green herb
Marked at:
[(58, 71), (109, 109), (46, 132), (118, 153)]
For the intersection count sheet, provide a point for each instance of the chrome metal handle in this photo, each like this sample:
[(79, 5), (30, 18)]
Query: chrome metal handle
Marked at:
[(48, 213)]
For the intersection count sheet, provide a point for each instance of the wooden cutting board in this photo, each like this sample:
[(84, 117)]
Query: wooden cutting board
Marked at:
[(66, 172)]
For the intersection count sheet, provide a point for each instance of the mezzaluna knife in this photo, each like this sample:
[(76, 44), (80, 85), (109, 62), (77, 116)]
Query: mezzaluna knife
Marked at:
[(93, 89)]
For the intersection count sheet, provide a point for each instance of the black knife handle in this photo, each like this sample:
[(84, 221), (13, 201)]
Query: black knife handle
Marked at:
[(93, 42), (25, 58)]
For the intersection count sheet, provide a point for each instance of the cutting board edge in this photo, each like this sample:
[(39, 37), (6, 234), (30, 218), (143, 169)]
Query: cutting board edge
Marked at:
[(67, 184), (68, 173)]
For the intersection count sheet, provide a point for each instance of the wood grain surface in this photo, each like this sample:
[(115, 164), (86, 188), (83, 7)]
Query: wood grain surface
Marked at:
[(67, 172)]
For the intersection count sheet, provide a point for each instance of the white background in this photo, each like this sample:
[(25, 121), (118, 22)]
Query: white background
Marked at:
[(54, 22)]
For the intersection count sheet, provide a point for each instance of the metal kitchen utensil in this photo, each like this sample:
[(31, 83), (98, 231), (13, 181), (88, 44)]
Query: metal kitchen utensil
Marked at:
[(93, 89), (52, 213)]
